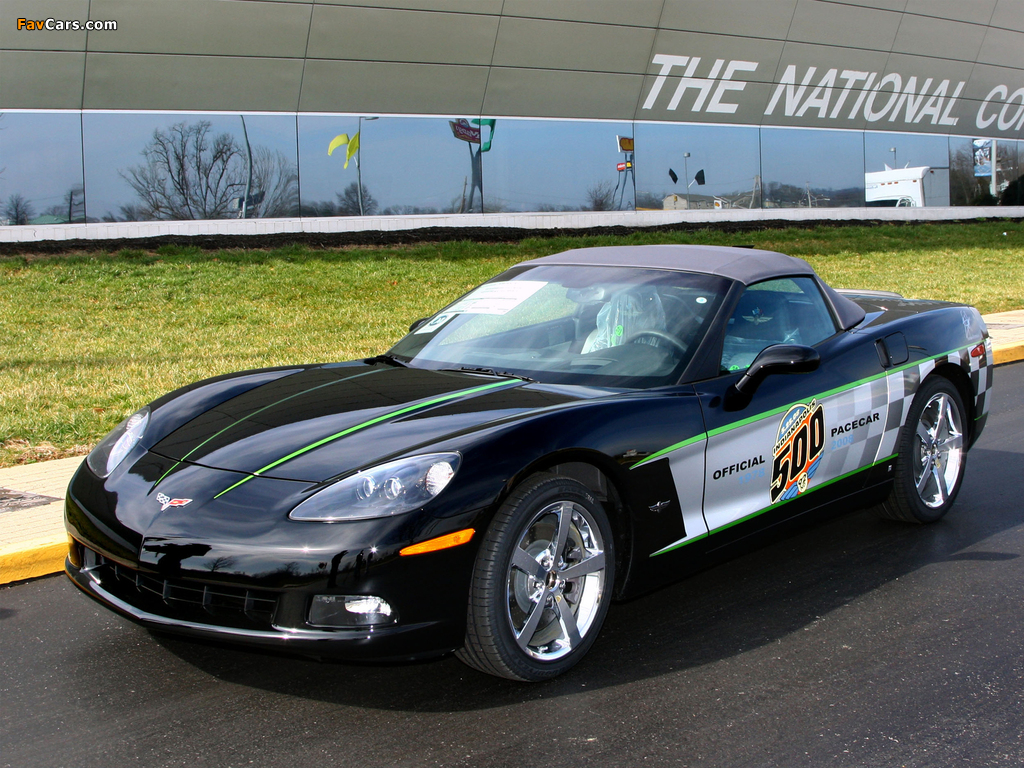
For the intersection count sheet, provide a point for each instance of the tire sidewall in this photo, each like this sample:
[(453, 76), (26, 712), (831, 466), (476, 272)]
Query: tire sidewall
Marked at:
[(508, 528), (905, 479)]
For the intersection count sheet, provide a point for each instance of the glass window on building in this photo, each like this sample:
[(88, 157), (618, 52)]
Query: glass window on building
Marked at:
[(351, 165), (41, 158), (697, 166), (971, 165), (906, 169), (558, 165), (146, 167), (812, 168), (1011, 172)]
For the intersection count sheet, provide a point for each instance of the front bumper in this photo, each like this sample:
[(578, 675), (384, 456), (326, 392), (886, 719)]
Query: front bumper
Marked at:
[(394, 643), (245, 575)]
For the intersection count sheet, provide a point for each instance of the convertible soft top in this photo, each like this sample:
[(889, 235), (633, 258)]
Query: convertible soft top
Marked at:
[(743, 265)]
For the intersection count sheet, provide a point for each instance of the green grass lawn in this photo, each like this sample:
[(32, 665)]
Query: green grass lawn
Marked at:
[(86, 339)]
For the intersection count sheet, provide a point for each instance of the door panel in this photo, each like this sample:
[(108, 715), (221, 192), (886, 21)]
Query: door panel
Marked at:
[(799, 433)]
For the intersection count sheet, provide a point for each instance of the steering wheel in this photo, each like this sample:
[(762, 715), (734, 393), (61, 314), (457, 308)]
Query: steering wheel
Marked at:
[(666, 337)]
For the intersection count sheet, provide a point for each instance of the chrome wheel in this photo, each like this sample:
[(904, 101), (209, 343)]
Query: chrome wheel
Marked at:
[(939, 450), (542, 582), (932, 455), (555, 581)]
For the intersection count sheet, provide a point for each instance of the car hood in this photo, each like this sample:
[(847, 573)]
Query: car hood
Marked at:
[(323, 421)]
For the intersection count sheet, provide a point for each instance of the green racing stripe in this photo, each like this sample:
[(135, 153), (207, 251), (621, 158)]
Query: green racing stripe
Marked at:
[(370, 423), (784, 408), (254, 413)]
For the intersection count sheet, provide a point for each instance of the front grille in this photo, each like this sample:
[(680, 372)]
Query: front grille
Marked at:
[(183, 598)]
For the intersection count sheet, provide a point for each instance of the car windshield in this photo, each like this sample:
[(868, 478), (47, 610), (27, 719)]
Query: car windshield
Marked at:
[(597, 326)]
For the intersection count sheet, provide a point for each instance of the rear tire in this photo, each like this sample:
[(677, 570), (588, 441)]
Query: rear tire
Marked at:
[(542, 582), (932, 455)]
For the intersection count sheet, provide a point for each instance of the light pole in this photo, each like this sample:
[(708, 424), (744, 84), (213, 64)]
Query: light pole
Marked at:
[(248, 183), (359, 164), (893, 150), (686, 170)]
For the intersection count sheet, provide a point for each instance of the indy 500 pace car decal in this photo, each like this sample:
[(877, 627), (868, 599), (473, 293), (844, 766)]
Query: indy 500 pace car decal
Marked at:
[(805, 446)]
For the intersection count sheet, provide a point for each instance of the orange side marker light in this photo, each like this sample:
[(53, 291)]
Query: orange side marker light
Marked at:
[(441, 542)]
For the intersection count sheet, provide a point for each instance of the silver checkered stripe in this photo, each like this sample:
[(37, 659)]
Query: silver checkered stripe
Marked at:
[(902, 385), (980, 371), (981, 379), (867, 398)]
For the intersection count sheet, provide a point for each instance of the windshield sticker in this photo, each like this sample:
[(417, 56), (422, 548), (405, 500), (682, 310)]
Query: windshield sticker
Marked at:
[(435, 323), (798, 450), (497, 298)]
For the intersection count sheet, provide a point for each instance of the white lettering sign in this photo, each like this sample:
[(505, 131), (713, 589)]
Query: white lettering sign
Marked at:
[(715, 87)]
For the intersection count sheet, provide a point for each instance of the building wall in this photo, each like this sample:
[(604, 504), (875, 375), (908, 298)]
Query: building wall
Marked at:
[(781, 103)]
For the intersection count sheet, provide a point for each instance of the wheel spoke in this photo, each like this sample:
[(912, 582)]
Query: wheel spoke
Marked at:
[(525, 635), (590, 565), (940, 481), (941, 419), (568, 621), (924, 435), (564, 523), (925, 473), (952, 443), (522, 560)]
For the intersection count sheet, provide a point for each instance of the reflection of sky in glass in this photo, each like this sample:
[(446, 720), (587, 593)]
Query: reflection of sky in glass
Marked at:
[(537, 165), (41, 154), (824, 160), (727, 155), (912, 151), (114, 143), (414, 162)]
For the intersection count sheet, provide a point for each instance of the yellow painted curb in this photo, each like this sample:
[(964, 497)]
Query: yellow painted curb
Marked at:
[(1009, 353), (32, 559)]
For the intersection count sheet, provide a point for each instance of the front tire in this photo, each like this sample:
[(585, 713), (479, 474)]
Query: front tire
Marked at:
[(542, 582), (932, 455)]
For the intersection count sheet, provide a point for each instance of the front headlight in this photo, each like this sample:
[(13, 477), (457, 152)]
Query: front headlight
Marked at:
[(119, 443), (389, 489)]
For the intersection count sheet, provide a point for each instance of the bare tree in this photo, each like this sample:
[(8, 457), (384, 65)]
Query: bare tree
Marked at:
[(601, 197), (274, 174), (189, 173), (18, 210), (348, 201)]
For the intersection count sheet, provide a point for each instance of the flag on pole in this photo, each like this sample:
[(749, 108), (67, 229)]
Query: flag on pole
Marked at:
[(341, 140), (485, 146)]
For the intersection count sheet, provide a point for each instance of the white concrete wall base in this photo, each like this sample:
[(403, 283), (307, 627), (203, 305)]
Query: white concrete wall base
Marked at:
[(129, 230)]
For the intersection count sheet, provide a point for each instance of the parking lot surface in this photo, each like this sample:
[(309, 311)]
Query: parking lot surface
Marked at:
[(854, 642)]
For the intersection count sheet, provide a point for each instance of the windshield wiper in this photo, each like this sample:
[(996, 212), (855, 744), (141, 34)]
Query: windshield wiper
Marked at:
[(389, 359), (490, 372)]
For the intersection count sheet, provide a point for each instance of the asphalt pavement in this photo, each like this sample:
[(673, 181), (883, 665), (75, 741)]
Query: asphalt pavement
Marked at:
[(854, 642)]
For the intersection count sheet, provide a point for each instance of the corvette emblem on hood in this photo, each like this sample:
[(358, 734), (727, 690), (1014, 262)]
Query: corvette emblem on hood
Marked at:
[(166, 502)]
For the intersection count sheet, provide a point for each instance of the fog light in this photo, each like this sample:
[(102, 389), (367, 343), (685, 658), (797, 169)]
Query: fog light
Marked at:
[(350, 611), (74, 553)]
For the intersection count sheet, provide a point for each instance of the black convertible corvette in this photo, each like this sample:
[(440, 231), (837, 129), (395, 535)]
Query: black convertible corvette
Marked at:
[(581, 428)]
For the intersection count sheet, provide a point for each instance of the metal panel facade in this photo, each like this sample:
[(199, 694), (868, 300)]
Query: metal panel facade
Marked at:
[(699, 59)]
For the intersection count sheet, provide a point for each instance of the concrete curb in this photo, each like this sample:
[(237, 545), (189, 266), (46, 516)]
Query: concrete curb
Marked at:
[(1010, 353), (42, 555), (31, 560)]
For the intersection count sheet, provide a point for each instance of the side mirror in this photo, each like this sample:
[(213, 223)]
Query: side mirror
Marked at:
[(417, 323), (778, 358)]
